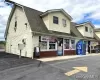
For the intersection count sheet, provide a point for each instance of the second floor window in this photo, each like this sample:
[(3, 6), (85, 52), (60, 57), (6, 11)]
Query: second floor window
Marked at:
[(90, 30), (15, 27), (86, 29), (55, 20), (64, 22)]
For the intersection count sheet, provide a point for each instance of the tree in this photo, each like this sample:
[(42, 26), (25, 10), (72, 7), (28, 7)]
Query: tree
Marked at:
[(2, 42)]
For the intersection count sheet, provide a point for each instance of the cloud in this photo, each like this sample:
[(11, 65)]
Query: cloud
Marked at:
[(76, 8), (1, 35), (95, 15), (2, 30), (4, 13), (97, 25)]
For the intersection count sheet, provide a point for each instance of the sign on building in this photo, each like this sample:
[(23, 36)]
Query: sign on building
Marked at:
[(20, 46)]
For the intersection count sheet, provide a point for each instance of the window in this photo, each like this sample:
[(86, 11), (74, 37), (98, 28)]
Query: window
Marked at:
[(64, 22), (92, 47), (15, 27), (26, 25), (24, 42), (73, 44), (52, 45), (55, 19), (86, 29), (43, 45), (66, 43), (90, 30)]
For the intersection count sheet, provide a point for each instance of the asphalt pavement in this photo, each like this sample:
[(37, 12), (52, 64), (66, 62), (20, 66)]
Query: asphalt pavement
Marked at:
[(55, 70), (91, 62)]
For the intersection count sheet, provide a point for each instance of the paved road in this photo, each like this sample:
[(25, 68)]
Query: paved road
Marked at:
[(55, 70), (92, 62)]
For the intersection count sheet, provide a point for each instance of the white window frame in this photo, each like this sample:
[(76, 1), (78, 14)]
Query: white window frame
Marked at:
[(87, 29), (64, 23), (55, 46), (69, 44), (91, 31), (44, 49), (48, 46)]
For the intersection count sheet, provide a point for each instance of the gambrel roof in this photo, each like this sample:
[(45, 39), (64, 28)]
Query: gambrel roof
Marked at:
[(36, 23)]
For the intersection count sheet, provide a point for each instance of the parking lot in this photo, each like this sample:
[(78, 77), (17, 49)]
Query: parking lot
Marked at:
[(8, 61)]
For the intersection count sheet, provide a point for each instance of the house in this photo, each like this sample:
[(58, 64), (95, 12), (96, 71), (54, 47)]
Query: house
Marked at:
[(97, 33), (90, 38), (52, 32)]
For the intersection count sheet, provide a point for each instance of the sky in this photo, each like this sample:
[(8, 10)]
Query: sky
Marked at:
[(80, 10)]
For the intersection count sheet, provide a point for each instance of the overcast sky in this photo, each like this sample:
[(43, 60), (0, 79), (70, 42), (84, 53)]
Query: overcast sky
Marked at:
[(80, 10)]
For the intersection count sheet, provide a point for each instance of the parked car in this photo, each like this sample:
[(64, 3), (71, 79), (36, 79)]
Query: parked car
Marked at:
[(97, 48)]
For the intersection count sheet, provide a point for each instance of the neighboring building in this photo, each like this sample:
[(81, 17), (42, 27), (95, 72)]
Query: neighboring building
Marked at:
[(97, 32), (90, 38), (52, 31)]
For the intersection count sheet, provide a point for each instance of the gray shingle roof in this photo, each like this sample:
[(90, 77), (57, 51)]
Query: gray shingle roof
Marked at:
[(34, 19), (38, 25), (96, 37), (74, 30)]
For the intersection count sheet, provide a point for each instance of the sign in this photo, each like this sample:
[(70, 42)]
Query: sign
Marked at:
[(20, 46), (44, 38), (52, 39), (76, 70), (60, 51), (94, 43), (81, 47)]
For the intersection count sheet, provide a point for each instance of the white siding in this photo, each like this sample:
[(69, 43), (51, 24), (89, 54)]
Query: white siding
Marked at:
[(35, 41), (15, 38), (98, 34), (89, 34), (48, 20), (84, 33)]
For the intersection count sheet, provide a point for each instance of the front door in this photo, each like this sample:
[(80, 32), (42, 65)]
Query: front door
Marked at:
[(60, 46), (89, 47)]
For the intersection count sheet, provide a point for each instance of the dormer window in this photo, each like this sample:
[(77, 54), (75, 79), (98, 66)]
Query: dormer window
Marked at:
[(86, 28), (90, 30), (55, 20), (64, 22)]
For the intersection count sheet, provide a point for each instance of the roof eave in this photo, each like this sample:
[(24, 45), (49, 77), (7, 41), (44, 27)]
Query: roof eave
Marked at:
[(54, 10), (79, 25)]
